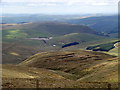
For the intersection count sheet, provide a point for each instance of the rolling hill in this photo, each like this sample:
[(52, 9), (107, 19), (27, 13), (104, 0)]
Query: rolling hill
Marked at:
[(15, 53), (74, 62), (26, 37), (104, 47), (49, 51), (20, 18), (50, 28), (110, 47), (60, 67), (105, 24)]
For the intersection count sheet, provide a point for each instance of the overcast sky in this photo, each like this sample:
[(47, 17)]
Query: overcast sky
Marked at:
[(59, 6)]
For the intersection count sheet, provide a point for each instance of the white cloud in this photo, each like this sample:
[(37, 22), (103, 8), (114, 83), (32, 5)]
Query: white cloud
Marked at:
[(41, 4), (34, 0), (33, 5), (59, 0), (65, 2), (60, 6), (100, 4), (70, 3)]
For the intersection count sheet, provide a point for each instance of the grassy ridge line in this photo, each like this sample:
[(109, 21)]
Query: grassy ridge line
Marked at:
[(71, 72), (106, 24), (52, 28), (83, 64)]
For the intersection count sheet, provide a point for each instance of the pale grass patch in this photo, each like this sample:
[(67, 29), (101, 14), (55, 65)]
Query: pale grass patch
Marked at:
[(15, 54)]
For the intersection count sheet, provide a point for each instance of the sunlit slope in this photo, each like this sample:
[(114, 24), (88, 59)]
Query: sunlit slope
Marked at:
[(111, 47), (105, 71), (25, 77), (12, 71), (64, 69), (114, 51), (82, 64)]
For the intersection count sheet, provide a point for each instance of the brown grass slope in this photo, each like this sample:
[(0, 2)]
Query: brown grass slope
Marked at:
[(82, 64), (63, 69), (25, 77)]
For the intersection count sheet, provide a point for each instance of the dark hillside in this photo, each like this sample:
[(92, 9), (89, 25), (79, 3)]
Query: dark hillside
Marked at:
[(106, 24), (52, 28)]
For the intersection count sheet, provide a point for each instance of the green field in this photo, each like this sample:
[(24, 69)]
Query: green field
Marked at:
[(18, 46)]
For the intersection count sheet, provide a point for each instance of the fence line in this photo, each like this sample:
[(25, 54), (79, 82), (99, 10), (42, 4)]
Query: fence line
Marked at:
[(37, 82)]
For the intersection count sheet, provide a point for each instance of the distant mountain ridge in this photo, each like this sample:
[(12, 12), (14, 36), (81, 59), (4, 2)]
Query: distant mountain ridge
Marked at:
[(53, 28), (106, 24)]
